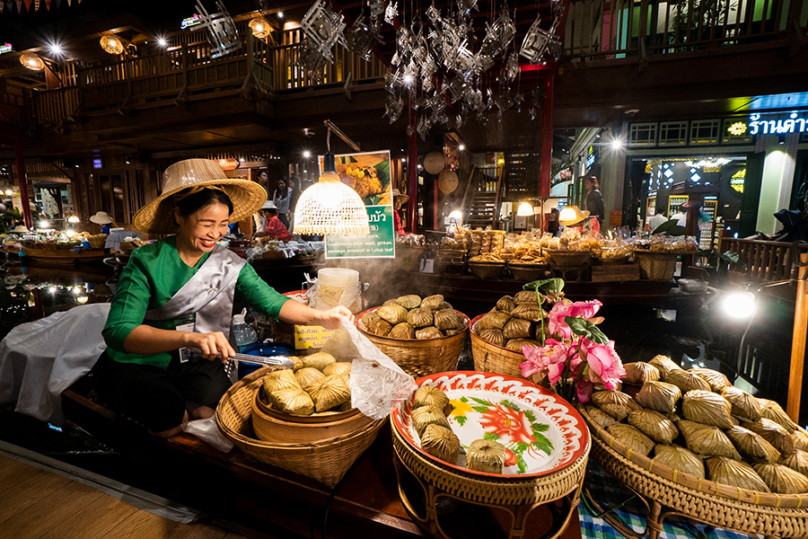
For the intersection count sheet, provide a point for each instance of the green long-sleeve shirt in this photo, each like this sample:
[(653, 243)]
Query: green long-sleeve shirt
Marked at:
[(155, 273)]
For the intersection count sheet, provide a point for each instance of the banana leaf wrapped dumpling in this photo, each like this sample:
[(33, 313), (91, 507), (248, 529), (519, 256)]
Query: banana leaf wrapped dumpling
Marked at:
[(308, 376), (615, 403), (341, 368), (716, 380), (639, 372), (526, 297), (292, 400), (433, 303), (528, 311), (708, 408), (493, 336), (752, 445), (428, 415), (402, 331), (782, 479), (485, 456), (664, 365), (368, 317), (441, 443), (379, 327), (743, 404), (330, 392), (517, 329), (411, 301), (632, 438), (428, 333), (493, 320), (517, 344), (599, 417), (447, 319), (393, 313), (505, 304), (279, 379), (800, 438), (686, 381), (654, 425), (774, 433), (707, 441), (658, 396), (679, 458), (772, 410), (797, 461), (419, 318), (319, 360), (735, 474), (431, 396)]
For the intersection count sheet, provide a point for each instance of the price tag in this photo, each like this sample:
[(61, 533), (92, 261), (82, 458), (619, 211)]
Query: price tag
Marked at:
[(311, 336), (428, 265)]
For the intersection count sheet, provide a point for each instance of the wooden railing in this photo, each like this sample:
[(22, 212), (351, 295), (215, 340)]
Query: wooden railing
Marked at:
[(760, 261), (603, 29)]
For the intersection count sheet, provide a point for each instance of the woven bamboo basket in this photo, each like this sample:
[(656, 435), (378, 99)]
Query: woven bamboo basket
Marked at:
[(326, 461), (747, 511), (420, 357), (408, 257), (486, 270), (527, 272), (656, 265), (569, 258), (492, 358), (97, 241)]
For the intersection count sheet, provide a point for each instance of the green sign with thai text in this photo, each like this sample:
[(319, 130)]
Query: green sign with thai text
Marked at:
[(379, 244)]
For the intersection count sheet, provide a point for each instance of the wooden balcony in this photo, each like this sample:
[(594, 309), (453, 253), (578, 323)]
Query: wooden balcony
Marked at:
[(760, 261)]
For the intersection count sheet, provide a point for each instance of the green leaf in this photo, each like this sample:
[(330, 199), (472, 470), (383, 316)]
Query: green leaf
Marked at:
[(481, 401), (463, 399), (481, 409), (587, 329), (521, 463), (540, 427), (542, 443), (461, 419), (490, 436), (509, 404), (521, 447), (553, 286), (530, 416), (664, 228)]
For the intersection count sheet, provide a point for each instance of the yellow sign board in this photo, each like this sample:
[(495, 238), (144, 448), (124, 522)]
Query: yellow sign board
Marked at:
[(311, 336)]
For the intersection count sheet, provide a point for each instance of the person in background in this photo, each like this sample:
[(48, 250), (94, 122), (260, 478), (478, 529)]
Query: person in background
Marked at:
[(294, 185), (658, 219), (593, 199), (273, 227), (552, 222), (263, 181), (102, 218), (398, 202), (281, 198)]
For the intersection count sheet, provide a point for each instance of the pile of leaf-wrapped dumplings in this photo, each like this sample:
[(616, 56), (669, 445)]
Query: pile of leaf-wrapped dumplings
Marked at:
[(429, 409), (410, 317), (318, 384), (695, 421), (513, 322)]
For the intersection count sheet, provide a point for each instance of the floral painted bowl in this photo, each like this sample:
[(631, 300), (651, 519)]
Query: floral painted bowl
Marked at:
[(542, 432)]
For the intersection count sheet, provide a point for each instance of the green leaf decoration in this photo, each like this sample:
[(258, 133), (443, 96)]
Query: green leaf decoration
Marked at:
[(481, 409), (587, 329), (490, 436), (530, 416), (521, 447), (552, 286), (481, 401), (542, 443), (541, 427), (665, 228), (461, 419), (509, 404), (463, 399), (521, 463)]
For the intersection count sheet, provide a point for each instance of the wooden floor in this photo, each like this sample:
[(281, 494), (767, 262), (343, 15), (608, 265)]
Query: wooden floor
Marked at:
[(40, 505)]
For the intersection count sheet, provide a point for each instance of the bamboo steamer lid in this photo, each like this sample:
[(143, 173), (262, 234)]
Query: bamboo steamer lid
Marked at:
[(434, 162)]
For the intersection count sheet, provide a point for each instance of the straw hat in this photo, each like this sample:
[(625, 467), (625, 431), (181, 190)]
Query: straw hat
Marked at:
[(157, 216), (579, 216), (101, 218), (269, 205), (19, 229), (397, 195)]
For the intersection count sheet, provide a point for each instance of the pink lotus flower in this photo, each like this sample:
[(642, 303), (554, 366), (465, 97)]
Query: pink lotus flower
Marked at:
[(561, 310), (551, 357), (604, 364), (584, 390)]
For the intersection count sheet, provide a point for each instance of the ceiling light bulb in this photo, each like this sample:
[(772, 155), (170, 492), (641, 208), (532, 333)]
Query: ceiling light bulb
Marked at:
[(306, 154), (525, 210), (461, 147), (73, 219), (567, 214), (162, 42), (280, 14), (617, 144), (56, 48), (408, 79), (82, 299), (739, 305)]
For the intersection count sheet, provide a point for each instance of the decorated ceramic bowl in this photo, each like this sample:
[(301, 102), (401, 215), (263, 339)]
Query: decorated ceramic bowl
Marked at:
[(542, 433)]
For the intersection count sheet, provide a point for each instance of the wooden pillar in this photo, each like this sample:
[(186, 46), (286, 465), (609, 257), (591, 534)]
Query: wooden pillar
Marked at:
[(546, 156), (22, 181), (412, 174), (798, 343)]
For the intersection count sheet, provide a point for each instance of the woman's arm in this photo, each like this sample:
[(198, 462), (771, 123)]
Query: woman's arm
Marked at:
[(149, 340), (294, 312)]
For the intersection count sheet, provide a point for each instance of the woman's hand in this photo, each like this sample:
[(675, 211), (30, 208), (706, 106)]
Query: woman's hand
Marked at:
[(332, 318), (211, 345)]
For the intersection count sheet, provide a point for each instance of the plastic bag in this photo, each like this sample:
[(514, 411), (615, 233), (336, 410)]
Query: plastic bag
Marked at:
[(208, 431), (377, 384)]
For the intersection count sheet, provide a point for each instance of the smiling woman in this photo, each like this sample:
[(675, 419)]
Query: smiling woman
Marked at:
[(179, 292)]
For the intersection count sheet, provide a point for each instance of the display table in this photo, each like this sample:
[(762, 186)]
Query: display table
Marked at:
[(115, 237)]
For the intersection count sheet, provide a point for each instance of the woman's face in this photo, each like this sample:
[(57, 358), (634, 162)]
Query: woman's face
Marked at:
[(292, 185), (281, 185), (202, 229)]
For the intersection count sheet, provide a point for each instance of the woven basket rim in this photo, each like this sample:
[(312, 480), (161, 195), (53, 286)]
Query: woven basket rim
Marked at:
[(474, 334), (486, 263), (663, 253), (716, 490), (358, 322), (526, 265)]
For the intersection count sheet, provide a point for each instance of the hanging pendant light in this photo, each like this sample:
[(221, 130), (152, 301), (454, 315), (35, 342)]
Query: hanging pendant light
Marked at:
[(525, 210), (330, 207), (260, 27), (112, 44), (32, 61)]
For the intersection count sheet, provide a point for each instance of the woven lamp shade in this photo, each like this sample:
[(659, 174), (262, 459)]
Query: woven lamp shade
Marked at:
[(330, 207), (112, 44), (260, 27), (32, 61)]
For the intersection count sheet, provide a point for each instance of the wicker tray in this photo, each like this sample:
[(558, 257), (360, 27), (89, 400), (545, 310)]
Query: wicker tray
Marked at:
[(704, 500), (420, 357), (492, 358), (527, 272), (569, 258), (656, 265), (326, 461), (486, 270)]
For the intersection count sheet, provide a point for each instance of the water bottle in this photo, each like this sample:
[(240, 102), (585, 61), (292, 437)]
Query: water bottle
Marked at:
[(243, 333)]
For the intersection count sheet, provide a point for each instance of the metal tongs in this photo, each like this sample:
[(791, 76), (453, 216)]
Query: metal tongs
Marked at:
[(187, 354)]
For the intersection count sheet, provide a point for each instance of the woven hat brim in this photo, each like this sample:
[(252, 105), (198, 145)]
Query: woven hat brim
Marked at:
[(157, 217), (584, 215)]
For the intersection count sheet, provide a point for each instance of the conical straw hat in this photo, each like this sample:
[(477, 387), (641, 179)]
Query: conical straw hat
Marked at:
[(157, 216)]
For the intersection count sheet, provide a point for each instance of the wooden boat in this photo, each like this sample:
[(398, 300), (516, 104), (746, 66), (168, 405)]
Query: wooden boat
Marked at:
[(64, 256)]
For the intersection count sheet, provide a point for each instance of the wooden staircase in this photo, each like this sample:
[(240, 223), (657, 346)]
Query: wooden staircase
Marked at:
[(482, 200)]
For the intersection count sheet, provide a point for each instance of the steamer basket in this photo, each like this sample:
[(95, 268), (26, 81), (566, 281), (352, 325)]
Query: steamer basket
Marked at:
[(656, 265), (492, 358), (326, 461), (420, 357), (747, 511), (408, 257)]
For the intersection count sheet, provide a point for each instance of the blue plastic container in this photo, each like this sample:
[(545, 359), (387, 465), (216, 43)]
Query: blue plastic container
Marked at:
[(261, 349)]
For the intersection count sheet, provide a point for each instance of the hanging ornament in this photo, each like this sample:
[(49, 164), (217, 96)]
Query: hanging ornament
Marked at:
[(532, 113), (512, 67), (323, 29), (393, 107), (19, 6), (466, 5), (360, 38), (376, 7), (47, 5), (28, 5), (37, 3), (537, 41), (391, 13), (410, 130), (222, 34), (433, 14)]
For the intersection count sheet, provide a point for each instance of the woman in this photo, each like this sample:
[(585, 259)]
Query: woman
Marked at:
[(102, 218), (281, 198), (178, 293), (398, 202), (294, 187), (273, 227)]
